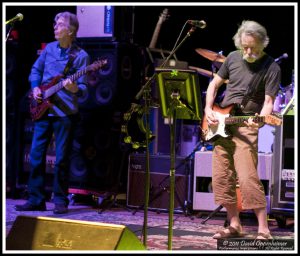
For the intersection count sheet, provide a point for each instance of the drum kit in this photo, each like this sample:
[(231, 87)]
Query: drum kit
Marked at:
[(284, 96), (217, 60)]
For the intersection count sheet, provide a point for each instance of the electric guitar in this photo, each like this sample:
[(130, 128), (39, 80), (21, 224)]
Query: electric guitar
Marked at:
[(163, 16), (39, 107), (212, 132)]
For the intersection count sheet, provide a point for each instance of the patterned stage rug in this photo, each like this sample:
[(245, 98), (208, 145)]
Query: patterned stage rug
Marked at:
[(187, 234)]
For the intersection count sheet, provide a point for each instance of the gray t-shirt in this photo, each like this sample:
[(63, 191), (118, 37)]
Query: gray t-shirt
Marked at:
[(240, 74)]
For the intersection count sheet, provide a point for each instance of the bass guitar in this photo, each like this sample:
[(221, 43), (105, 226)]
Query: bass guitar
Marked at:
[(39, 107), (212, 132)]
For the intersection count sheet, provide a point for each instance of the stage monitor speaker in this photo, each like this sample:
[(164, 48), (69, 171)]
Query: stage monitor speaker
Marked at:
[(44, 233), (159, 182), (203, 197)]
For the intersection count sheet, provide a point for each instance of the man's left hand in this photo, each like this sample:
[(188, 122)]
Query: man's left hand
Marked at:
[(251, 123), (70, 86)]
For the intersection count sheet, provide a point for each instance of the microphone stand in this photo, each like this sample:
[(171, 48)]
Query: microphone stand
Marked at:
[(8, 33), (172, 148), (145, 92)]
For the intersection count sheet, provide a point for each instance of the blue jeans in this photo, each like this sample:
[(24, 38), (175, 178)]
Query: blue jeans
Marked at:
[(62, 127)]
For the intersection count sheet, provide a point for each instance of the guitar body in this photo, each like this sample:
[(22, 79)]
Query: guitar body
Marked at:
[(210, 133), (39, 108)]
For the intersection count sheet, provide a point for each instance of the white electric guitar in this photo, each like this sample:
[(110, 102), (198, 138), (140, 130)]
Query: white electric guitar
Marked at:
[(212, 132)]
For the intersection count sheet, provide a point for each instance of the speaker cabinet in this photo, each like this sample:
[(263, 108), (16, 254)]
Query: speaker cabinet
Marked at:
[(159, 182), (284, 169), (43, 233), (96, 159), (203, 197), (116, 84), (12, 74), (13, 92), (11, 151), (26, 133)]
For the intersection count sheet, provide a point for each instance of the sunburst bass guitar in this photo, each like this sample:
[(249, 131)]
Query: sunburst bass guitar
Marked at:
[(38, 108), (212, 132)]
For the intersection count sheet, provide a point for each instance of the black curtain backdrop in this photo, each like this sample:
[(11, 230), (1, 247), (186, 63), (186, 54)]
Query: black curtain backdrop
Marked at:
[(222, 23)]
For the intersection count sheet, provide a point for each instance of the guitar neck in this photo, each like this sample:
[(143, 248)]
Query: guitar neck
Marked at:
[(155, 35), (55, 88), (241, 119)]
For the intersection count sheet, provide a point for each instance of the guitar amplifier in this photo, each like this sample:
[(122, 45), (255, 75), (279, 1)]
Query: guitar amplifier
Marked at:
[(203, 197), (159, 192)]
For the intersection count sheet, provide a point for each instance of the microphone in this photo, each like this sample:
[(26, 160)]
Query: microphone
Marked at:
[(19, 17), (283, 56), (197, 23)]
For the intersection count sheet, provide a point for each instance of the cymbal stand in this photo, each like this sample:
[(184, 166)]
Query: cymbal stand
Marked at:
[(212, 214)]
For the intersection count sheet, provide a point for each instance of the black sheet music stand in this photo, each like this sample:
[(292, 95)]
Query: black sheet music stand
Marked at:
[(180, 98)]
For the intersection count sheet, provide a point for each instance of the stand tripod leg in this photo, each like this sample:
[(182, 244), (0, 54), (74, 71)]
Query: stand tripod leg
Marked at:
[(151, 200), (114, 191), (112, 203), (212, 214)]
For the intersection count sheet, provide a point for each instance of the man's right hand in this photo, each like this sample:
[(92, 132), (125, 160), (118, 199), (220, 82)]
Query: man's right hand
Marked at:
[(211, 117), (37, 94)]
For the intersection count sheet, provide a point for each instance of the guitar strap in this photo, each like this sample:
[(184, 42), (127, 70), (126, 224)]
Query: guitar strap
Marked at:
[(72, 56), (256, 80)]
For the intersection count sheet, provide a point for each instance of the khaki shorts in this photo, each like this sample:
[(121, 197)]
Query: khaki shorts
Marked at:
[(235, 158)]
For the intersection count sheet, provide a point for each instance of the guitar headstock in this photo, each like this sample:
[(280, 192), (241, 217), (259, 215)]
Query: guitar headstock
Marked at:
[(97, 65), (164, 15), (273, 119)]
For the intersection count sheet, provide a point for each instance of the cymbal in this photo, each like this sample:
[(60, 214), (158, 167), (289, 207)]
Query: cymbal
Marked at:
[(213, 56), (205, 72)]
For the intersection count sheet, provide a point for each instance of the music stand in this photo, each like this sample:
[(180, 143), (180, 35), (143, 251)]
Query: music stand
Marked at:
[(180, 98), (183, 82)]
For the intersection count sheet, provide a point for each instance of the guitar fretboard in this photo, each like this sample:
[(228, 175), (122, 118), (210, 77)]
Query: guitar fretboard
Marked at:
[(241, 119), (55, 88)]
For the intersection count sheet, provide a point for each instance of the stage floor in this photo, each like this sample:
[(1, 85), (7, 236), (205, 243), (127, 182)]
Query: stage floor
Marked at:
[(187, 234)]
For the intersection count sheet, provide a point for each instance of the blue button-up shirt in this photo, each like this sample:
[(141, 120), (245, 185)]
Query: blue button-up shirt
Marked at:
[(50, 64)]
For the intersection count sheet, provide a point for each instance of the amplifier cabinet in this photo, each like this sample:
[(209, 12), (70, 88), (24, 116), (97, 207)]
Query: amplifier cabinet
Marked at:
[(284, 169), (203, 197), (159, 192)]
